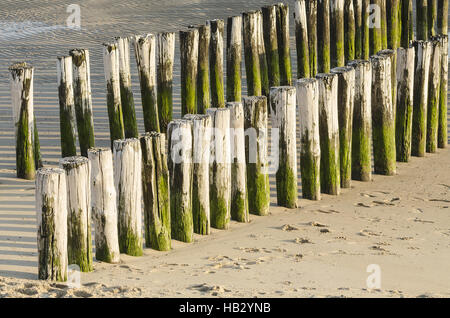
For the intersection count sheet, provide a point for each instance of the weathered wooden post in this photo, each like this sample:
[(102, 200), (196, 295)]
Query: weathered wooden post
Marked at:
[(234, 59), (308, 114), (66, 107), (145, 54), (283, 114), (384, 26), (359, 25), (216, 63), (203, 82), (365, 36), (337, 31), (239, 199), (349, 31), (104, 205), (301, 39), (165, 59), (311, 17), (346, 100), (126, 94), (155, 191), (420, 101), (79, 242), (37, 148), (21, 84), (128, 183), (362, 122), (422, 20), (406, 25), (256, 154), (202, 133), (442, 17), (433, 95), (442, 127), (51, 216), (251, 52), (392, 55), (432, 17), (405, 94), (83, 99), (179, 134), (264, 69), (189, 64), (329, 134), (113, 100), (323, 36), (393, 23), (375, 26), (284, 40), (383, 118), (269, 15)]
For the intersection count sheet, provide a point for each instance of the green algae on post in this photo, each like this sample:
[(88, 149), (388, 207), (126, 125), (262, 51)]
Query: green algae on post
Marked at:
[(264, 69), (365, 30), (432, 17), (442, 17), (442, 129), (166, 57), (234, 59), (301, 40), (422, 20), (323, 36), (189, 64), (433, 95), (216, 63), (311, 17), (406, 24), (393, 24), (284, 50), (203, 82), (251, 52), (375, 27), (337, 37), (350, 34), (269, 15)]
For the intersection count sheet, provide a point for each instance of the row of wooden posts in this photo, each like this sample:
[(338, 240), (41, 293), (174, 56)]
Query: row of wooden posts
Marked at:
[(350, 98)]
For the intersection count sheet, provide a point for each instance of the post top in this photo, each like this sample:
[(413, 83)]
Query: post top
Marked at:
[(49, 171)]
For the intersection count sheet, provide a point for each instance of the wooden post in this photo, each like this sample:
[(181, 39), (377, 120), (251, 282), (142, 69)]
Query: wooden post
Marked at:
[(201, 211), (433, 95), (83, 99), (21, 84), (179, 134), (422, 20), (384, 25), (392, 18), (284, 41), (145, 54), (216, 63), (189, 64), (203, 82), (66, 107), (365, 30), (283, 110), (432, 17), (155, 191), (383, 117), (220, 169), (405, 94), (323, 36), (51, 216), (346, 100), (442, 128), (329, 134), (337, 31), (311, 17), (392, 55), (165, 59), (234, 58), (301, 39), (359, 27), (420, 101), (104, 205), (349, 31), (269, 14), (375, 26), (406, 24), (256, 154), (239, 200), (37, 148), (126, 94), (79, 242), (308, 114), (251, 52), (264, 69), (128, 183), (114, 103), (442, 17)]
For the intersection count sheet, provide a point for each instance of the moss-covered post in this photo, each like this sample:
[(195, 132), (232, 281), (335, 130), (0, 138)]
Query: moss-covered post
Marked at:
[(251, 52), (37, 148), (337, 31), (311, 20), (216, 63), (330, 180), (375, 26), (126, 94), (104, 205), (179, 134), (323, 36), (21, 85), (256, 154), (422, 60), (264, 69), (422, 20), (365, 30), (201, 211), (145, 54), (113, 99), (239, 199), (79, 241), (51, 217), (83, 99), (392, 55), (443, 123), (166, 60), (346, 100), (359, 27), (128, 183), (383, 118), (269, 15), (442, 17), (67, 118), (283, 114), (350, 31), (301, 39), (433, 95), (392, 19), (155, 191), (384, 25), (405, 93), (234, 59), (189, 69), (406, 24), (203, 82), (308, 114), (432, 17), (284, 43)]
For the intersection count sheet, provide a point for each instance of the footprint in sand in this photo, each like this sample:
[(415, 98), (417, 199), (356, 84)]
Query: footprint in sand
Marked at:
[(288, 228)]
